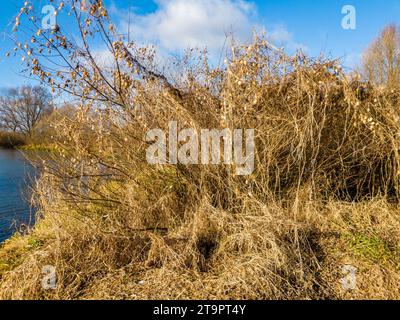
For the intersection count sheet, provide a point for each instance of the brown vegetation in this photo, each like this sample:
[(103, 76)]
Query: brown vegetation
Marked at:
[(109, 220), (324, 192), (381, 61)]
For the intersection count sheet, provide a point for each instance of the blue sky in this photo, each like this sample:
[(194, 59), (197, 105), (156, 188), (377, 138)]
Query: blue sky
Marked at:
[(314, 26)]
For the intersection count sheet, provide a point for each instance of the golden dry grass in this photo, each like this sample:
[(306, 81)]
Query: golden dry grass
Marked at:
[(324, 192)]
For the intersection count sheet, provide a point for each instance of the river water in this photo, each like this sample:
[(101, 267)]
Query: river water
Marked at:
[(16, 175)]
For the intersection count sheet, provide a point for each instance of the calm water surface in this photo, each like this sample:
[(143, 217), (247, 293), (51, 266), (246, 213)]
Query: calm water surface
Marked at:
[(15, 177)]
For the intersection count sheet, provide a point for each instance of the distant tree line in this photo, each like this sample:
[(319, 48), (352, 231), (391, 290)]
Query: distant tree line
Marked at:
[(22, 108), (381, 60)]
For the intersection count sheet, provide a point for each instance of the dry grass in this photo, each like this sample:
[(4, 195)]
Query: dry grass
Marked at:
[(324, 192)]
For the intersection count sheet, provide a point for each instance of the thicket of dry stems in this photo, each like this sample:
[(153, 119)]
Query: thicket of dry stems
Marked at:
[(324, 192)]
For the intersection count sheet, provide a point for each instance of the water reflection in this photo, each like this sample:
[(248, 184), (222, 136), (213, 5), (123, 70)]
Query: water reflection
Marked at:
[(16, 174)]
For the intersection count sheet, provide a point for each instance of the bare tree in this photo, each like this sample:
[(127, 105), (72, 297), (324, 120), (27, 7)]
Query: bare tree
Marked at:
[(381, 61), (22, 108), (71, 64)]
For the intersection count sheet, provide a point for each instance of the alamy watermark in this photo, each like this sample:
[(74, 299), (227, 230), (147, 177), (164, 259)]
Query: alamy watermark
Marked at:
[(205, 147), (349, 21), (49, 21), (49, 280), (349, 281)]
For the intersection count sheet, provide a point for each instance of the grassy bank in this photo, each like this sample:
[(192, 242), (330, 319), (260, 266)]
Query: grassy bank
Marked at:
[(47, 147), (10, 140), (324, 193)]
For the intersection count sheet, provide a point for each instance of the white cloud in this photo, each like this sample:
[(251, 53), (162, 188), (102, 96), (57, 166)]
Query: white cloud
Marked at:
[(279, 35), (179, 24)]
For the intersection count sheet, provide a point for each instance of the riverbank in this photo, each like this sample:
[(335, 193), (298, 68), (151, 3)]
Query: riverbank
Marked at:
[(18, 141), (38, 147), (22, 146), (11, 140)]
